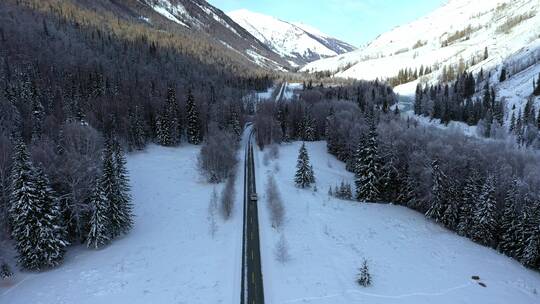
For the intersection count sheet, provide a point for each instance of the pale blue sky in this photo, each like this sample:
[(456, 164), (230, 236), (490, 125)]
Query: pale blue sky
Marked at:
[(354, 21)]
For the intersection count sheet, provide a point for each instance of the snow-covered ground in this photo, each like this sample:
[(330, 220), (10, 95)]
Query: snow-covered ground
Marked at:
[(411, 259), (169, 257)]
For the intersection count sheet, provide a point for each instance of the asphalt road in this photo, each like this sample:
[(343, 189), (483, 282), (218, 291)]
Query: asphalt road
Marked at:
[(252, 279)]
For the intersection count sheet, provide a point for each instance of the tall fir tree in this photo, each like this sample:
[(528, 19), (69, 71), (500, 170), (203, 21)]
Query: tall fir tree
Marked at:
[(136, 136), (469, 194), (304, 176), (99, 224), (439, 199), (529, 253), (53, 238), (367, 168), (172, 115), (407, 193), (509, 240), (115, 185), (484, 230), (308, 127), (193, 122), (125, 207), (35, 216)]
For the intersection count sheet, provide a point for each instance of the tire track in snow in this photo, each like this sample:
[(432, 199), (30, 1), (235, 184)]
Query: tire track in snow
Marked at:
[(374, 295)]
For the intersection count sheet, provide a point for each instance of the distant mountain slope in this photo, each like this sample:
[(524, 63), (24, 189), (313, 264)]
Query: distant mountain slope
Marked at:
[(453, 36), (199, 16), (296, 42)]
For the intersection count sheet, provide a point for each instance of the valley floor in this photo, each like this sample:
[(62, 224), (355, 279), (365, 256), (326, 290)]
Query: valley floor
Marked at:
[(411, 259), (171, 257)]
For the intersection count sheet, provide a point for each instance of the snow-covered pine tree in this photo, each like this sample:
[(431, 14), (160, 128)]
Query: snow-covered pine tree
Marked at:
[(390, 182), (509, 240), (137, 138), (5, 271), (367, 168), (407, 193), (24, 210), (439, 200), (308, 127), (364, 277), (173, 124), (125, 208), (115, 185), (469, 194), (193, 127), (162, 131), (485, 214), (450, 218), (38, 114), (52, 242), (99, 232), (234, 123), (304, 176), (529, 253)]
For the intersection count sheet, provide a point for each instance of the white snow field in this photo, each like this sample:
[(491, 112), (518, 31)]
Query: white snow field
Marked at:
[(411, 259), (169, 257)]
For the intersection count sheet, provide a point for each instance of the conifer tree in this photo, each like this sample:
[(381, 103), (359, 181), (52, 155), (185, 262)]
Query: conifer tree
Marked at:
[(115, 185), (509, 240), (367, 168), (24, 208), (308, 127), (503, 75), (125, 208), (529, 231), (35, 216), (485, 214), (364, 277), (469, 194), (52, 241), (536, 91), (390, 182), (439, 199), (99, 232), (304, 176), (136, 136), (193, 127), (5, 271), (171, 113), (407, 193)]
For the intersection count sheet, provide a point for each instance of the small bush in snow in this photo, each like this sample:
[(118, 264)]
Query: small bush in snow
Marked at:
[(275, 204), (212, 209), (364, 278), (5, 271), (227, 198), (217, 158), (282, 250)]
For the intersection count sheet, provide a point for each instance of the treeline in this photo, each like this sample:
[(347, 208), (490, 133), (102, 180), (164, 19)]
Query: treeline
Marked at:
[(73, 80), (484, 190), (457, 102), (408, 75), (286, 121)]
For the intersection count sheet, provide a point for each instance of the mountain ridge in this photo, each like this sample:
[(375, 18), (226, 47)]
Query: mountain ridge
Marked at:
[(296, 42)]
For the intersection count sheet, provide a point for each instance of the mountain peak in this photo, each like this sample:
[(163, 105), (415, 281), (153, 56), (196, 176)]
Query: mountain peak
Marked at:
[(294, 41)]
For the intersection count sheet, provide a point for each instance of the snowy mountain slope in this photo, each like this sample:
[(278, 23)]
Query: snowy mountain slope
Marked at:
[(411, 259), (458, 31), (199, 17), (296, 42), (169, 256)]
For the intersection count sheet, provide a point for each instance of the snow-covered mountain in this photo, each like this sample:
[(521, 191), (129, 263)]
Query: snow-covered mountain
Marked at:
[(296, 42), (201, 18), (455, 35)]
